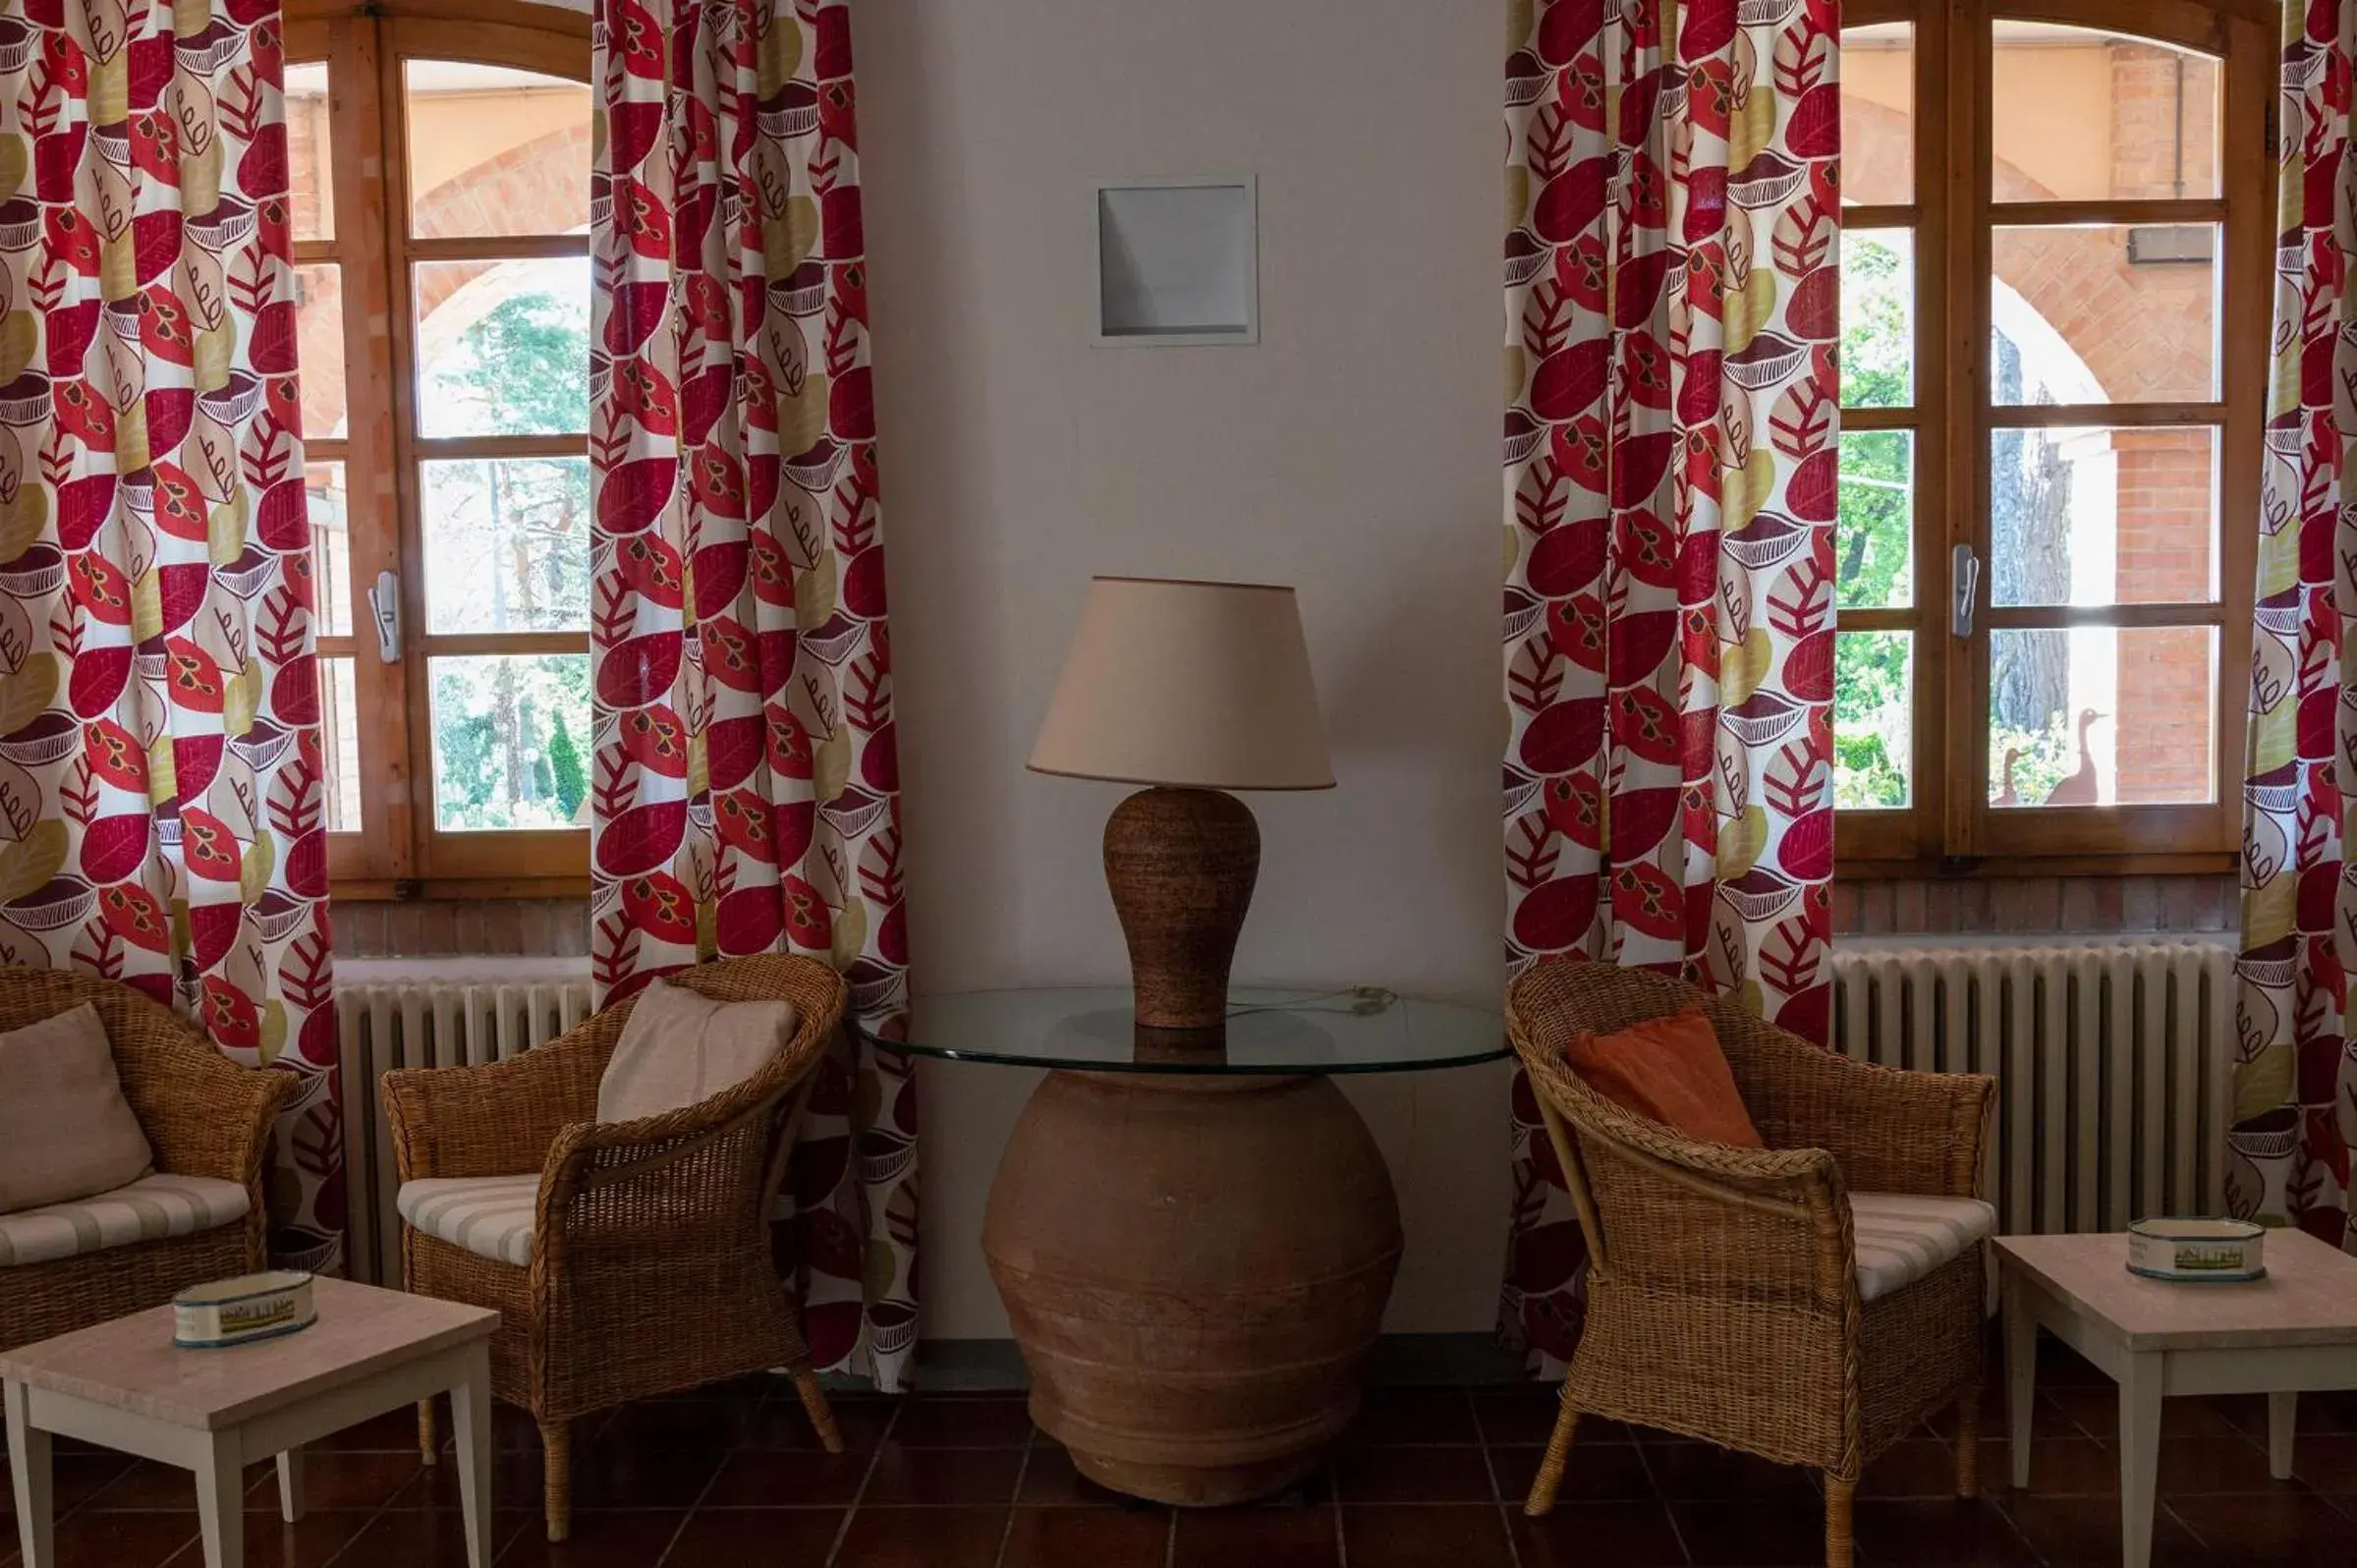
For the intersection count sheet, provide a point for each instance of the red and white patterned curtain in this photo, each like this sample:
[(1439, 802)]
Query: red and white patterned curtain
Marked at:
[(746, 787), (1671, 266), (2295, 1083), (162, 816)]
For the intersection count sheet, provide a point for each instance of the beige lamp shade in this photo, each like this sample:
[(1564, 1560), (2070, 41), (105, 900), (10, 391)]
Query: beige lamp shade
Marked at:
[(1190, 684)]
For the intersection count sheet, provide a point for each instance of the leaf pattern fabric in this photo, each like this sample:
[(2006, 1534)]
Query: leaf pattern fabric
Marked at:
[(2295, 1079), (162, 807), (1671, 432), (745, 797)]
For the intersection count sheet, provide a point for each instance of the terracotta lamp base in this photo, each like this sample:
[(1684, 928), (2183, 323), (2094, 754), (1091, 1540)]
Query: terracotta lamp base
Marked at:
[(1181, 864)]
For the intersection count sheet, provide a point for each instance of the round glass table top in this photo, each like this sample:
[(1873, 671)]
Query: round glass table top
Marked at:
[(1268, 1031)]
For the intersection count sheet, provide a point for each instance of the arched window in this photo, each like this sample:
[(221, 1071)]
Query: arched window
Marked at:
[(2058, 218), (441, 213)]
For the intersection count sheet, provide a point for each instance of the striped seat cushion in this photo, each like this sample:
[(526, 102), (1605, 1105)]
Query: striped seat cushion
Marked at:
[(1901, 1238), (150, 1208), (488, 1215)]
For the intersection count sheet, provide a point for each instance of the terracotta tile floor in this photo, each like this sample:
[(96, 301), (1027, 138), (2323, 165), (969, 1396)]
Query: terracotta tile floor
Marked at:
[(731, 1478)]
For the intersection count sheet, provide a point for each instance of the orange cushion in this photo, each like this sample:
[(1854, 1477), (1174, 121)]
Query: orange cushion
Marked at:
[(1672, 1071)]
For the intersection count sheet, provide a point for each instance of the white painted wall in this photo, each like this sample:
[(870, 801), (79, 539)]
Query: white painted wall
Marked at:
[(1353, 452)]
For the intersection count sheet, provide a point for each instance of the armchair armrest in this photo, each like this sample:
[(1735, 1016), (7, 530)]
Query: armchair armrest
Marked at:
[(1677, 1220), (1686, 1237), (203, 1114), (1891, 1130), (498, 1119), (673, 1188)]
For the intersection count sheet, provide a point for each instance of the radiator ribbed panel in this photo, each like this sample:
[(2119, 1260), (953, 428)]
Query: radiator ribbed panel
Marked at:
[(2112, 1063), (424, 1023)]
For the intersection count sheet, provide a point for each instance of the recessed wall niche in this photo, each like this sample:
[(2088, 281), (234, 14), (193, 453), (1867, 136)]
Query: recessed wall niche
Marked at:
[(1177, 261)]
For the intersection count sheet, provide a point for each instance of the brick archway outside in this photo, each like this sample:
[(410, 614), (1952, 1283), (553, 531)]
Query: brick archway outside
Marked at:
[(536, 186)]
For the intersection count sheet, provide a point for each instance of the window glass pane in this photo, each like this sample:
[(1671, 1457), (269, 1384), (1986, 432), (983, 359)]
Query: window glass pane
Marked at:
[(507, 544), (511, 740), (331, 546), (1877, 113), (503, 347), (1878, 318), (2109, 314), (1875, 539), (2102, 515), (340, 733), (495, 150), (1873, 748), (320, 349), (2102, 715), (2082, 115), (310, 160)]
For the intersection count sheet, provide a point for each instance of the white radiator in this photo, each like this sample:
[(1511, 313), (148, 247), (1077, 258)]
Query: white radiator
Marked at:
[(2113, 1063), (396, 1014)]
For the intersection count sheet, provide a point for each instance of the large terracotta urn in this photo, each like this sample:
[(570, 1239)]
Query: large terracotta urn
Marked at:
[(1196, 1266)]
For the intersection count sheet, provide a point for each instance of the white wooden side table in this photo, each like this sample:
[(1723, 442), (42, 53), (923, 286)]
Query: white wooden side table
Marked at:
[(126, 1386), (2295, 1329)]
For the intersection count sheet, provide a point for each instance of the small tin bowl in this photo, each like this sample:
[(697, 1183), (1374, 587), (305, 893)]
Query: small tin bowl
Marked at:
[(241, 1310), (2211, 1251)]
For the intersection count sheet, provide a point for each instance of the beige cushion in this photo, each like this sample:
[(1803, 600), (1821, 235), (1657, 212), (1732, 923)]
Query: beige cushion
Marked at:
[(150, 1208), (66, 1131), (488, 1215), (1902, 1238), (679, 1048)]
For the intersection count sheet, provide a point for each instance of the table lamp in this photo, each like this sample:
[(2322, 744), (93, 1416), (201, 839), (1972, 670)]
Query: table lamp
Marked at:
[(1193, 690)]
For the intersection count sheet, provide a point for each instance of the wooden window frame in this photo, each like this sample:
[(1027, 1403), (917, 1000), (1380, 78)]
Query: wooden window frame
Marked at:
[(1949, 827), (400, 852)]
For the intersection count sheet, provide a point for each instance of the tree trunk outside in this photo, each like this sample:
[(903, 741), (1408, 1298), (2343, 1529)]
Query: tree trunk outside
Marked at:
[(2029, 527)]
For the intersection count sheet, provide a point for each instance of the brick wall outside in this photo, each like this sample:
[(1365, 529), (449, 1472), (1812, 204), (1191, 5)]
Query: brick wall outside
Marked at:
[(2145, 331), (2167, 710), (2166, 706), (535, 188), (319, 324), (319, 342), (538, 187), (313, 205), (2149, 88)]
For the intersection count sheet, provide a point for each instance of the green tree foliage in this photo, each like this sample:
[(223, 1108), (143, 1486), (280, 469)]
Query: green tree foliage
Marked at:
[(465, 748), (509, 551), (2041, 760), (523, 366), (1872, 717), (567, 778)]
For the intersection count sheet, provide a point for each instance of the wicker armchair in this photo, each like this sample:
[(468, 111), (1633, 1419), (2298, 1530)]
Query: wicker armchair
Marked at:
[(204, 1116), (650, 1266), (1722, 1293)]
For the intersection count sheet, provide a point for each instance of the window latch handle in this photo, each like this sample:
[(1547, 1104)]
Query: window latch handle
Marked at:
[(385, 608), (1966, 574)]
